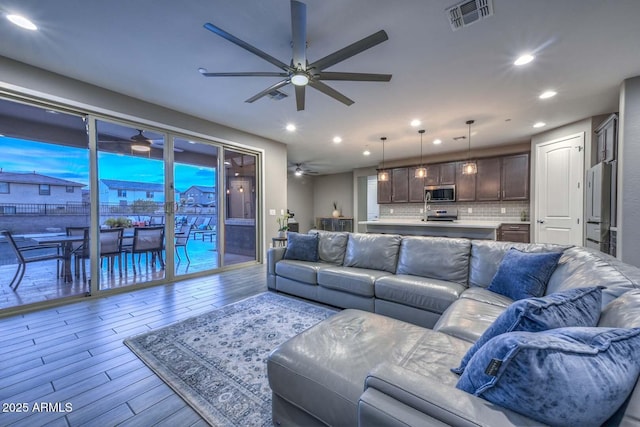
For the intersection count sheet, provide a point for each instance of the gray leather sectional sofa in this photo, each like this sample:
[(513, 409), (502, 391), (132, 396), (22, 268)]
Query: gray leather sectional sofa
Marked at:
[(413, 307)]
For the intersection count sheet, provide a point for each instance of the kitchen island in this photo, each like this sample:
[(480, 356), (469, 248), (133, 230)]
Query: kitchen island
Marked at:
[(471, 229)]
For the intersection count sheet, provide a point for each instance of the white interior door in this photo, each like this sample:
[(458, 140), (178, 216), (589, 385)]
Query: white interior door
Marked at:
[(559, 191)]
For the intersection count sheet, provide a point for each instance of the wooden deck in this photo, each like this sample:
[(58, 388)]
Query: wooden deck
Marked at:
[(74, 354)]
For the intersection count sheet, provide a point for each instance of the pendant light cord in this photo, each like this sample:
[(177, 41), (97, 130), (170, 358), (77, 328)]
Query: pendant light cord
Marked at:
[(469, 122), (421, 132), (384, 138)]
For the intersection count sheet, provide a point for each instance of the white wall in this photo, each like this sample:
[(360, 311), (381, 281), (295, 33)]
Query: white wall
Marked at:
[(17, 77), (300, 199)]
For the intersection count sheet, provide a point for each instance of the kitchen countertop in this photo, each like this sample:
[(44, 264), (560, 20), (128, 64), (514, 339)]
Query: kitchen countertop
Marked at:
[(460, 223)]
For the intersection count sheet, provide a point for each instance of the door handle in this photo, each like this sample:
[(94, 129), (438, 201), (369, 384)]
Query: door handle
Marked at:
[(540, 221)]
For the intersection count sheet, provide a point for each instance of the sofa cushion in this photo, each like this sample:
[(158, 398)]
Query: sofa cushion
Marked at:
[(524, 275), (331, 246), (373, 251), (358, 281), (483, 295), (576, 307), (487, 254), (421, 292), (467, 319), (566, 376), (623, 312), (436, 257), (301, 271), (302, 247)]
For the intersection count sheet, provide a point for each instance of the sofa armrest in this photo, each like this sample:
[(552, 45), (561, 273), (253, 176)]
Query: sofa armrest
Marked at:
[(273, 256), (388, 388)]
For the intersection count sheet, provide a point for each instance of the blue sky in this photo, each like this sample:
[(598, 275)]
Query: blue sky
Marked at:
[(17, 155)]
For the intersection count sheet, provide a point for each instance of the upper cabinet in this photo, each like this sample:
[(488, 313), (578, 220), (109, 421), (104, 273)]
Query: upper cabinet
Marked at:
[(416, 186), (515, 177), (384, 192), (441, 174), (607, 134), (488, 179), (400, 185), (465, 185)]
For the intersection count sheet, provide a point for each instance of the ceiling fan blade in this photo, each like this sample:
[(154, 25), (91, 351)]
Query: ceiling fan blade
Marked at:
[(330, 91), (351, 50), (299, 34), (300, 92), (267, 90), (359, 77), (245, 74), (233, 39)]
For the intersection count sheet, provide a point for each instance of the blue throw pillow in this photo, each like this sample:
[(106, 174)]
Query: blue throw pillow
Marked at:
[(524, 274), (565, 376), (302, 247), (575, 307)]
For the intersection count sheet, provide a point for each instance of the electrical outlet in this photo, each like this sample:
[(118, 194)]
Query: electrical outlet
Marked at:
[(469, 210), (390, 210), (281, 211), (272, 212), (503, 210), (421, 210)]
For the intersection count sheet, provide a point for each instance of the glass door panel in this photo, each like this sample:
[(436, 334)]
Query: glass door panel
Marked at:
[(131, 205), (44, 190), (196, 198), (240, 207)]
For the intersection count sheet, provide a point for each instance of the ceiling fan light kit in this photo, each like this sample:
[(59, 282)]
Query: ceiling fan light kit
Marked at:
[(301, 73)]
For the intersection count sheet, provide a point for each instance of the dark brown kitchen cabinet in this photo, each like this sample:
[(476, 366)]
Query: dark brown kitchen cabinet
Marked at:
[(607, 134), (384, 191), (400, 185), (515, 177), (416, 187), (488, 179), (465, 185), (514, 233), (441, 174)]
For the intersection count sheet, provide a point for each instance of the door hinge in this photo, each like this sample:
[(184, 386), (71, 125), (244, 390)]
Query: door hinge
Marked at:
[(578, 186), (578, 220)]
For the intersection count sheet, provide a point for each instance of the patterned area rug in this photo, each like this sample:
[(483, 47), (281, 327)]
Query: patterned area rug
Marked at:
[(217, 361)]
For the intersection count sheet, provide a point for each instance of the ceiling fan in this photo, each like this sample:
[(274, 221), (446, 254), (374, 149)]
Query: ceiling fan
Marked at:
[(140, 143), (300, 72), (298, 170)]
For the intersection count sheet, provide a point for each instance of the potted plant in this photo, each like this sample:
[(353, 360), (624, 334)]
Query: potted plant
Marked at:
[(120, 222), (336, 211), (283, 225)]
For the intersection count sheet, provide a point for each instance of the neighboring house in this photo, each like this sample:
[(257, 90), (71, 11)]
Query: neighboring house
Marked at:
[(198, 195), (31, 187), (126, 192)]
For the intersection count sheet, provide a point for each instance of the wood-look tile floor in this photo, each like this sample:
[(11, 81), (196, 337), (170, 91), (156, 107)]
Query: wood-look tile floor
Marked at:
[(74, 354)]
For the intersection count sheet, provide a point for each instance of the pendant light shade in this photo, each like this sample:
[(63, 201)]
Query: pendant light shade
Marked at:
[(420, 172), (383, 175), (469, 167)]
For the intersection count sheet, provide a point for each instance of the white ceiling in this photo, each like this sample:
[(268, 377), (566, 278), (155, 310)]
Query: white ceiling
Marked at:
[(152, 49)]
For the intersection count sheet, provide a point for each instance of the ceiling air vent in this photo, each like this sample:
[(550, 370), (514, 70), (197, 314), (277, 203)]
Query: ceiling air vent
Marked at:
[(468, 12), (276, 95)]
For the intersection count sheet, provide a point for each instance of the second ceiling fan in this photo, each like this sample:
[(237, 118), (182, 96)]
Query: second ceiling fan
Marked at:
[(300, 72)]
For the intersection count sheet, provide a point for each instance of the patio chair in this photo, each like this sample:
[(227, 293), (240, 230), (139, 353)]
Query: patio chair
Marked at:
[(201, 227), (111, 247), (79, 250), (25, 256), (182, 238), (148, 241)]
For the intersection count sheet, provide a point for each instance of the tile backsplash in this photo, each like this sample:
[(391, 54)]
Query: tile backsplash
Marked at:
[(486, 211)]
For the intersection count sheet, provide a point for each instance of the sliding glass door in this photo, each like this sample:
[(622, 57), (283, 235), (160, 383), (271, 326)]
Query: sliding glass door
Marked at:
[(195, 169), (131, 205)]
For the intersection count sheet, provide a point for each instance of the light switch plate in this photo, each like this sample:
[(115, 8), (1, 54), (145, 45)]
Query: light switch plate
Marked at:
[(469, 210), (390, 210), (421, 210), (272, 212), (503, 210)]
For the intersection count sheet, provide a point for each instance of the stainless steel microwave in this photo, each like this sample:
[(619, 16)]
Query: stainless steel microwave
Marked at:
[(439, 193)]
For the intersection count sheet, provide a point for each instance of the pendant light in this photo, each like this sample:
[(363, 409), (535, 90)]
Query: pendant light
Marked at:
[(383, 175), (469, 167), (421, 172)]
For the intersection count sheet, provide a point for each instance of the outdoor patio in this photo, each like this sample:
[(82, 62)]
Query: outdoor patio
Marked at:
[(41, 281)]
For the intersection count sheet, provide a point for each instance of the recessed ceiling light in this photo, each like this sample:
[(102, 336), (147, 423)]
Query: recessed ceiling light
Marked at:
[(437, 141), (337, 140), (524, 59), (539, 124), (290, 127), (548, 94), (22, 22), (415, 123), (366, 152)]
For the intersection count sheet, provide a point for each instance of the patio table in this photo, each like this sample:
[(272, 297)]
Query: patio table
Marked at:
[(66, 243)]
